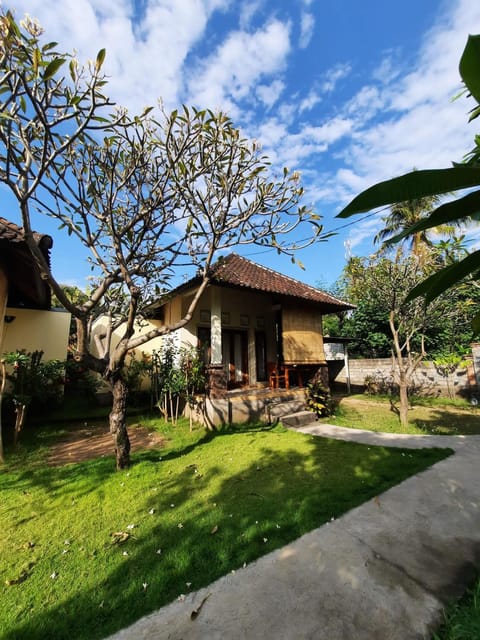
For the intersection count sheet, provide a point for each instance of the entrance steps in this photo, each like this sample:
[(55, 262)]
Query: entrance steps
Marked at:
[(298, 419)]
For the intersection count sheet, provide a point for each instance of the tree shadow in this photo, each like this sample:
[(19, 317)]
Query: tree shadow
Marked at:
[(451, 422)]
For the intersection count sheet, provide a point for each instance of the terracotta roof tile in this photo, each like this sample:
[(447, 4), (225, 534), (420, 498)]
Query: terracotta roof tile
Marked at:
[(239, 272), (13, 233)]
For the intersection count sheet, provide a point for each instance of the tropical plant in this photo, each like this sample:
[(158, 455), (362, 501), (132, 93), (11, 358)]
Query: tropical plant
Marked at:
[(33, 382), (318, 398), (404, 215), (436, 182)]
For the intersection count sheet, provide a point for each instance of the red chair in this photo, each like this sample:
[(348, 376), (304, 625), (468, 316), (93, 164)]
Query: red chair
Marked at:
[(277, 375)]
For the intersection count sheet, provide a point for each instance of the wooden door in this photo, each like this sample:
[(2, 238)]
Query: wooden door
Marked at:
[(235, 357)]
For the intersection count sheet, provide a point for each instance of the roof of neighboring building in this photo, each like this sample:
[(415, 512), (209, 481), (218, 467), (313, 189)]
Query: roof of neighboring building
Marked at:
[(25, 286), (238, 272)]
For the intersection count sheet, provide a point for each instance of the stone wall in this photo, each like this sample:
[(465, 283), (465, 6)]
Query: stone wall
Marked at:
[(428, 380)]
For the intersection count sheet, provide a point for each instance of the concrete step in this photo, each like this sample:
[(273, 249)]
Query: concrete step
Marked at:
[(283, 408), (298, 419)]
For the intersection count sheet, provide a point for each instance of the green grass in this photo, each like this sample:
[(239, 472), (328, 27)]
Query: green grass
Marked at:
[(426, 416), (462, 619), (201, 507)]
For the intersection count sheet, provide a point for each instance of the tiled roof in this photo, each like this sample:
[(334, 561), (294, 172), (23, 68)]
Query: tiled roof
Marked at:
[(26, 288), (13, 233), (236, 271)]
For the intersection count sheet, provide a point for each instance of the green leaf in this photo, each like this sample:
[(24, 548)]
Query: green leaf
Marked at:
[(439, 282), (476, 323), (470, 65), (49, 45), (100, 59), (37, 60), (474, 113), (454, 211), (416, 184), (52, 68), (73, 69)]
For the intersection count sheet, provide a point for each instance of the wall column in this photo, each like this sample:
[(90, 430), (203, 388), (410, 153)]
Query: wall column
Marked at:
[(216, 325), (3, 305)]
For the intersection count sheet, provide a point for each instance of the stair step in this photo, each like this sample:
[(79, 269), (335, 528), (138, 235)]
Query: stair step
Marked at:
[(298, 419), (280, 409)]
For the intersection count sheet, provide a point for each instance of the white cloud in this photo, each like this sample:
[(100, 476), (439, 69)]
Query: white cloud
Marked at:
[(307, 26), (334, 75), (248, 11), (363, 230), (269, 94), (417, 123), (231, 72), (145, 54), (312, 99)]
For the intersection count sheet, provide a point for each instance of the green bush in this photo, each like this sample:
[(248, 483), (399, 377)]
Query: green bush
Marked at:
[(318, 398)]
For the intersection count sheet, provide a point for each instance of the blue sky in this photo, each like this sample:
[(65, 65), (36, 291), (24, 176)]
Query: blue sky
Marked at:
[(346, 92)]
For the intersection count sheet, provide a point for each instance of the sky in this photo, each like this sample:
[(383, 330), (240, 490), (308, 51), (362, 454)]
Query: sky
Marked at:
[(346, 92)]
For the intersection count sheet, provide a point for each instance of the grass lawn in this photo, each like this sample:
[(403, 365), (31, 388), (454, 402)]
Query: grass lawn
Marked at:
[(462, 620), (182, 516), (426, 416)]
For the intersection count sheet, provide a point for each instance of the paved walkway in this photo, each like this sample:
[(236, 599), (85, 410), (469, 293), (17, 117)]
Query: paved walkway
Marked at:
[(383, 571)]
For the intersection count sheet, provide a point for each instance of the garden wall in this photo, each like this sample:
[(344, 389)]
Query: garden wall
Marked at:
[(428, 379)]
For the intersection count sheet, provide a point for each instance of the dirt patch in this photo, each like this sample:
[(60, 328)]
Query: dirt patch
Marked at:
[(94, 441)]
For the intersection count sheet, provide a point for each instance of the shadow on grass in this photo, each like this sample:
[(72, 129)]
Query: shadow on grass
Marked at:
[(240, 513), (451, 423)]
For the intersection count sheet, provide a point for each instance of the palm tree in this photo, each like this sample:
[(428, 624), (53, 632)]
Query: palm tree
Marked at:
[(404, 215)]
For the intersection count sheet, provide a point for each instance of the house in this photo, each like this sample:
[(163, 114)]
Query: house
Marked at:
[(26, 318), (260, 330)]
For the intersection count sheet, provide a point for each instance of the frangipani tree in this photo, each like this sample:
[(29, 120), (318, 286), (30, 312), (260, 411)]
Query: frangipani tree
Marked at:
[(146, 195)]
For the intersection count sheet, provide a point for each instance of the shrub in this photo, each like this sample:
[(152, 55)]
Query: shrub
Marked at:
[(318, 398)]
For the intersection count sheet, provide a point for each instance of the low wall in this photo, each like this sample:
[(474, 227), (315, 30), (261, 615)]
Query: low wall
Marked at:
[(264, 406), (427, 378)]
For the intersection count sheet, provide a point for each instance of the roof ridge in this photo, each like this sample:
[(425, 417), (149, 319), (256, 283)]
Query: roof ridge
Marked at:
[(282, 275)]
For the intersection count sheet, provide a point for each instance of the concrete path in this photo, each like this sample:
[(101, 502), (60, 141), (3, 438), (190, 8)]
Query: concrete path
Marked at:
[(383, 571)]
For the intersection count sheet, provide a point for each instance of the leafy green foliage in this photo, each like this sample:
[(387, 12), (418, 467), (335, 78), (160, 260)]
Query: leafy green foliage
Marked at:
[(177, 374), (79, 380), (33, 381), (318, 398)]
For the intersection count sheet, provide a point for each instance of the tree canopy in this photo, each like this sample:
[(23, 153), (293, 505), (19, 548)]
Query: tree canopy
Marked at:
[(147, 195)]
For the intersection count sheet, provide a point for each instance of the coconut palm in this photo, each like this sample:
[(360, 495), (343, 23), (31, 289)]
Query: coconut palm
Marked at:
[(404, 215)]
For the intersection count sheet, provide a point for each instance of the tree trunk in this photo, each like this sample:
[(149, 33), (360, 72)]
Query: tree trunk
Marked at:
[(118, 426), (20, 415), (403, 400)]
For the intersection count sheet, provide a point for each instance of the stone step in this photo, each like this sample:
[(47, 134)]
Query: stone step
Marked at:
[(279, 409), (298, 419)]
